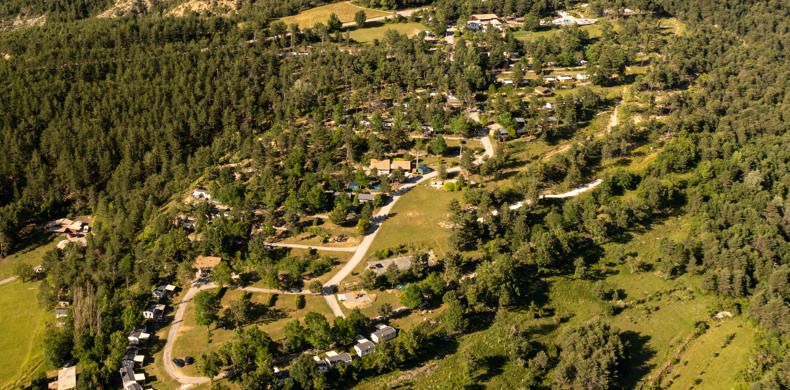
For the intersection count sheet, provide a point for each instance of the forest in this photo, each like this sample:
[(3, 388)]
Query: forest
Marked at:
[(119, 118)]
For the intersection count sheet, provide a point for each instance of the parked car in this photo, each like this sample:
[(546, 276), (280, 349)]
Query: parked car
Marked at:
[(189, 360), (178, 362)]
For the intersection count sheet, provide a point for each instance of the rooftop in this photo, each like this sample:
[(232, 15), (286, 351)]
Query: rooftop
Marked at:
[(207, 261), (67, 378)]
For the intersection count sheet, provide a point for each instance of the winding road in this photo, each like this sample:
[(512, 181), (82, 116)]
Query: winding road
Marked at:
[(359, 254)]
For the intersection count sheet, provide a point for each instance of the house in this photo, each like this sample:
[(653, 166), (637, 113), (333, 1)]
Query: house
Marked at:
[(333, 358), (61, 313), (164, 290), (200, 194), (565, 79), (401, 164), (129, 378), (380, 167), (423, 169), (366, 198), (364, 348), (131, 358), (153, 310), (67, 378), (204, 264), (550, 79), (139, 335), (478, 22), (520, 120), (380, 266), (542, 91), (321, 365), (582, 76), (453, 101), (383, 332), (186, 222)]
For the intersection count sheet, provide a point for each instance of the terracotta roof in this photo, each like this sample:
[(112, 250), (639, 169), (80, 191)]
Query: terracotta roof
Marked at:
[(207, 261)]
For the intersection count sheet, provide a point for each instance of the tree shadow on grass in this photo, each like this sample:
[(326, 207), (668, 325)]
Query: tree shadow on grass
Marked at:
[(273, 315), (639, 354)]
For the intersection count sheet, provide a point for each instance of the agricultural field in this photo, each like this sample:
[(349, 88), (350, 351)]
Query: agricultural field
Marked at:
[(344, 10), (379, 30)]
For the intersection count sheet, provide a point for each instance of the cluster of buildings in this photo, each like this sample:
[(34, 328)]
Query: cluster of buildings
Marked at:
[(139, 336), (364, 347), (386, 166)]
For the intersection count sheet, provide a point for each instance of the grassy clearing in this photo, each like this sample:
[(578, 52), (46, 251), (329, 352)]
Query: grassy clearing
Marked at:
[(345, 12), (659, 315), (192, 338), (528, 36), (21, 332), (417, 219), (31, 255), (711, 360), (368, 34)]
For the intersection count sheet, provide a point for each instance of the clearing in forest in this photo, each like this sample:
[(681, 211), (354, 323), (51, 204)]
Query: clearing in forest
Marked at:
[(344, 10)]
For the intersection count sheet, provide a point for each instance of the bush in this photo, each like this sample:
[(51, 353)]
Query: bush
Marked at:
[(270, 299), (300, 301)]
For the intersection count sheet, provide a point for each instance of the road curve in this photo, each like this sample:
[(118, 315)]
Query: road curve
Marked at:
[(197, 286), (331, 300)]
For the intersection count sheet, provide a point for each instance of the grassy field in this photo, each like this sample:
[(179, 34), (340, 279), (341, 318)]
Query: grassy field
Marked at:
[(31, 255), (417, 219), (345, 12), (658, 315), (368, 34), (714, 359), (529, 36), (192, 340), (21, 332)]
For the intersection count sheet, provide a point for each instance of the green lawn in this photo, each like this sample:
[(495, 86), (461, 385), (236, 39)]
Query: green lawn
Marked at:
[(192, 340), (418, 218), (30, 255), (368, 34), (345, 12), (594, 30), (22, 327)]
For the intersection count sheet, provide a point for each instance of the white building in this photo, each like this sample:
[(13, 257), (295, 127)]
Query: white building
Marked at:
[(383, 332), (365, 347)]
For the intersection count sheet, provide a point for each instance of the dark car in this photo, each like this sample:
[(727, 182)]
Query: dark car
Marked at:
[(178, 362), (162, 320), (189, 360)]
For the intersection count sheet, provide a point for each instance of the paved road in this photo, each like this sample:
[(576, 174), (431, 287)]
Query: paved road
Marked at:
[(197, 286), (375, 225), (318, 248), (363, 247), (331, 299)]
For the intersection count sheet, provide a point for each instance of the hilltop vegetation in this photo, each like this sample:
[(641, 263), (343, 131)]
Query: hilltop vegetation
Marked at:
[(673, 272)]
